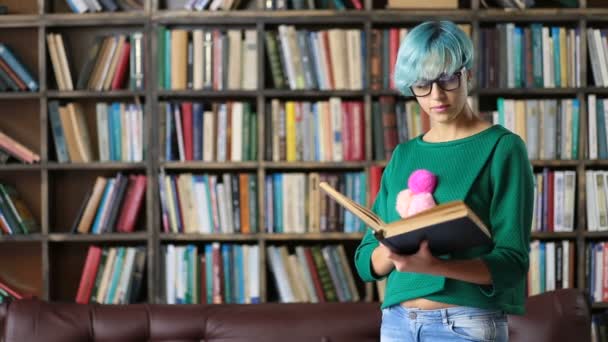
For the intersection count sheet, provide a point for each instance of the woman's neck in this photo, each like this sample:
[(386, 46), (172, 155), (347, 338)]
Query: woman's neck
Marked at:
[(466, 124)]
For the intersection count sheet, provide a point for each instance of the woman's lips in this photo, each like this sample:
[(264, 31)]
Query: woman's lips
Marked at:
[(441, 108)]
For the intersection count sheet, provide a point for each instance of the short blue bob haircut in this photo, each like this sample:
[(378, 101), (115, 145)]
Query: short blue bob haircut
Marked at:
[(429, 50)]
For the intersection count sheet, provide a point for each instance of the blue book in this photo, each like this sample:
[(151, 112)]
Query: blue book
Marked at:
[(7, 55), (601, 130), (278, 206), (543, 267), (197, 131), (575, 125), (209, 273), (269, 204), (168, 132), (118, 265), (518, 54), (227, 266), (167, 52), (58, 136), (240, 274), (115, 130), (557, 66), (96, 228)]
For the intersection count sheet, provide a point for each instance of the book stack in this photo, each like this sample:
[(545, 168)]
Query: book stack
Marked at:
[(15, 217), (112, 205), (312, 275), (113, 62), (213, 274), (119, 132), (112, 275), (92, 6)]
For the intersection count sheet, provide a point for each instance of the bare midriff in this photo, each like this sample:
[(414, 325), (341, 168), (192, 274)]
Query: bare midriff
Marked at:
[(425, 304)]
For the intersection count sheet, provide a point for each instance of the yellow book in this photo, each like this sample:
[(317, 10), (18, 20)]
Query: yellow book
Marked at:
[(290, 122), (448, 227)]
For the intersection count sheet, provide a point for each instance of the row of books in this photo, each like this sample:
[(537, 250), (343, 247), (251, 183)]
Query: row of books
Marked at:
[(120, 130), (92, 6), (597, 41), (534, 56), (549, 127), (15, 216), (208, 5), (206, 203), (312, 274), (207, 59), (325, 59), (112, 205), (332, 130), (112, 62), (208, 132), (551, 266), (554, 201), (295, 204), (14, 75), (213, 274), (596, 191), (271, 5), (596, 271), (394, 122), (112, 275)]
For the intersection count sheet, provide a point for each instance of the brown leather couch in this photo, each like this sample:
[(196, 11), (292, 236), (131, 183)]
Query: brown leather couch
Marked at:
[(556, 316)]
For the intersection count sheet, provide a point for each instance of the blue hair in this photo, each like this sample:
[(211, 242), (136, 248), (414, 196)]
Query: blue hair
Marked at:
[(429, 50)]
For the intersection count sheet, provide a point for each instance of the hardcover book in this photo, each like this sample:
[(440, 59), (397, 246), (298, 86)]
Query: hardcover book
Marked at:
[(448, 227)]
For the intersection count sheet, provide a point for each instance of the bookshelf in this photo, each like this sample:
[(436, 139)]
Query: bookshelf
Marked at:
[(49, 264)]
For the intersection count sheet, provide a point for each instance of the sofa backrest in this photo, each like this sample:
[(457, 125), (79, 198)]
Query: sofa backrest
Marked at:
[(31, 320), (555, 316)]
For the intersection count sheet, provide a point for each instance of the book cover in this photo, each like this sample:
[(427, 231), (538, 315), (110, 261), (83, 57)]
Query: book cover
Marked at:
[(448, 227)]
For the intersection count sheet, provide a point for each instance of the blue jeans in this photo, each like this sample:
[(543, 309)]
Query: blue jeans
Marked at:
[(453, 324)]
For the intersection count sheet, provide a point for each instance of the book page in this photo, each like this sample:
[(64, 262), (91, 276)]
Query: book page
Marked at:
[(361, 212)]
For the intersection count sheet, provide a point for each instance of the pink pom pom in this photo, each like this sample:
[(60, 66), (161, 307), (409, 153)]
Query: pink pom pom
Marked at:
[(422, 181), (419, 203), (403, 202)]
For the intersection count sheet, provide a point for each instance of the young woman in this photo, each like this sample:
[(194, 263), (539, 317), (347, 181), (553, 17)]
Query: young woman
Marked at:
[(464, 296)]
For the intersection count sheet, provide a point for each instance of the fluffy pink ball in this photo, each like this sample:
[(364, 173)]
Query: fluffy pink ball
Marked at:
[(422, 181)]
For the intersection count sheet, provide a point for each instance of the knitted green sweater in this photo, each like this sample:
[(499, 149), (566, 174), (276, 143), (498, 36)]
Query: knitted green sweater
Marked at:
[(490, 171)]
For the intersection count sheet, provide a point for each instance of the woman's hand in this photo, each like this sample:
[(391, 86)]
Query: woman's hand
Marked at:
[(420, 262)]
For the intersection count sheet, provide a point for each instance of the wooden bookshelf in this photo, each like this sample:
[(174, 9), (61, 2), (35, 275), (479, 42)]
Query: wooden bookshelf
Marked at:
[(50, 263)]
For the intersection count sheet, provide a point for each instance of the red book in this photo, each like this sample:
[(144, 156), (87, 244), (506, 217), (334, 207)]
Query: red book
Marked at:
[(347, 132), (132, 204), (314, 274), (187, 129), (89, 272), (357, 4), (375, 175), (330, 70), (358, 130), (4, 66), (393, 49), (122, 70)]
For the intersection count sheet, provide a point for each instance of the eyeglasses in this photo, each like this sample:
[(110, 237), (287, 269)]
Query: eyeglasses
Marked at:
[(445, 82)]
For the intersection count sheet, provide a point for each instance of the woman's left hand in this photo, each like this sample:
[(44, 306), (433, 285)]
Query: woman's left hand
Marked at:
[(422, 261)]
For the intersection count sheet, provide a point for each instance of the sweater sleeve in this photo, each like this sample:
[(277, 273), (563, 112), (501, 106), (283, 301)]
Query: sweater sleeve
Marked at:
[(363, 254), (510, 215)]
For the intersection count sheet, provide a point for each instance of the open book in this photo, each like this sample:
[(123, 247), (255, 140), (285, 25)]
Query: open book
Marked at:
[(448, 227)]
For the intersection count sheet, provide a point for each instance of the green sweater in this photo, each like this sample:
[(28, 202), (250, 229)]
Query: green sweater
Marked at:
[(490, 171)]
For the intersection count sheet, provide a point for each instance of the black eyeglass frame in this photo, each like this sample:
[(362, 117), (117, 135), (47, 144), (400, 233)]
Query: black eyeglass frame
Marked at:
[(438, 82)]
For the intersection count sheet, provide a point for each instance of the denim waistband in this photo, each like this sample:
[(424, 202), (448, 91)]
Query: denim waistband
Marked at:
[(438, 315)]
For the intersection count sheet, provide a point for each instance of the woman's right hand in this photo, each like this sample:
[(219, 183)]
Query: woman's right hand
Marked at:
[(381, 264)]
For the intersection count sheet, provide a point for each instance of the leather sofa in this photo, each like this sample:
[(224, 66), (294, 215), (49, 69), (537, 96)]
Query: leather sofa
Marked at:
[(561, 315)]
